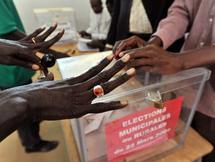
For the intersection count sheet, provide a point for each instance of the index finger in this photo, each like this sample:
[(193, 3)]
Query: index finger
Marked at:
[(28, 55), (142, 52), (47, 33), (119, 47), (107, 74), (132, 42), (45, 45), (115, 47), (34, 34), (111, 85), (93, 71)]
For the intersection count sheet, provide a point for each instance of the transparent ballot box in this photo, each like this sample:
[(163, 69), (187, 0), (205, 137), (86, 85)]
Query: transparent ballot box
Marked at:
[(154, 123)]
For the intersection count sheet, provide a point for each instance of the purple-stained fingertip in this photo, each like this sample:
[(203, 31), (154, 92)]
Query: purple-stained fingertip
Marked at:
[(110, 57), (131, 71), (124, 103)]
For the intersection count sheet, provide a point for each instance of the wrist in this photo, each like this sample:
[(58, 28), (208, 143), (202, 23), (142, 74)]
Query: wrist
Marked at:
[(27, 111), (20, 107), (155, 40), (181, 62)]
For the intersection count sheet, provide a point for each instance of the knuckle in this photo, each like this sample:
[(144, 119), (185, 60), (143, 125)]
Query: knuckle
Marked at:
[(93, 70), (123, 43), (118, 42), (119, 64), (150, 47), (103, 76), (125, 76), (76, 113), (149, 52), (103, 63), (134, 37), (105, 87)]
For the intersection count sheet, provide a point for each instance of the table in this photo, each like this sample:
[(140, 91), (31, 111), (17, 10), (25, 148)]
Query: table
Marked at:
[(194, 148)]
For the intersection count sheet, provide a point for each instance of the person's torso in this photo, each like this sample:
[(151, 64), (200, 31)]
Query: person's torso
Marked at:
[(11, 76), (100, 20), (202, 28), (201, 34)]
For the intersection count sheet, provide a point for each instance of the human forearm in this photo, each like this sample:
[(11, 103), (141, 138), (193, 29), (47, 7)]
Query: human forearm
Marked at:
[(13, 113), (198, 57), (175, 25), (156, 41), (15, 35), (56, 100)]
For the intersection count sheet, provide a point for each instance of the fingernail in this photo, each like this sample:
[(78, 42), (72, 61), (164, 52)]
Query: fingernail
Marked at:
[(121, 54), (62, 31), (126, 58), (42, 28), (110, 57), (131, 71), (35, 67), (124, 103), (54, 24)]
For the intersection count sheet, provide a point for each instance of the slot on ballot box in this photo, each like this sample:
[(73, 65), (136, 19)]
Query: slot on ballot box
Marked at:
[(155, 122)]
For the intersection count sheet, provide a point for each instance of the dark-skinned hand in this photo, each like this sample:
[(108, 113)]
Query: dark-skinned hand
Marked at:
[(40, 35), (84, 34), (127, 44), (96, 44), (71, 98), (154, 59), (23, 52)]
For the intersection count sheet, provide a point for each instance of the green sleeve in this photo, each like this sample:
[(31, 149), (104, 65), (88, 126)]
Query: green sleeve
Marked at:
[(7, 23)]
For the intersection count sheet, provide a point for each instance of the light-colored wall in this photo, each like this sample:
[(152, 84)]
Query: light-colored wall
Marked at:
[(25, 9)]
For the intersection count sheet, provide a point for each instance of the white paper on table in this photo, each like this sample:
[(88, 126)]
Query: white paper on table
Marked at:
[(77, 65)]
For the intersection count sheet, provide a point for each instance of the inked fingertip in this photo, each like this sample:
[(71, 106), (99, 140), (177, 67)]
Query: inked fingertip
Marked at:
[(62, 31), (124, 103), (35, 67), (42, 28), (110, 57), (126, 58), (131, 71), (54, 24), (121, 54)]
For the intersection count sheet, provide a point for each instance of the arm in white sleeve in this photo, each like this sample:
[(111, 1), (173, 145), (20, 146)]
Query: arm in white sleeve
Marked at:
[(104, 26)]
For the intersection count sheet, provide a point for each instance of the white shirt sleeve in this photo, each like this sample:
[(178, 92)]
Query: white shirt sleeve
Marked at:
[(92, 23)]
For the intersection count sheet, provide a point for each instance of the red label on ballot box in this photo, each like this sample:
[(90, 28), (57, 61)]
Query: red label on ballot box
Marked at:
[(142, 129)]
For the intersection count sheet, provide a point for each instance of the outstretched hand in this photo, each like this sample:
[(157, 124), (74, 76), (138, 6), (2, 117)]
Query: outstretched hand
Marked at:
[(72, 98), (23, 52)]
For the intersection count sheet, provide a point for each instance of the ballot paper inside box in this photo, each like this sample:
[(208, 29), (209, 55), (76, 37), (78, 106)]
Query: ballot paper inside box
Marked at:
[(147, 128)]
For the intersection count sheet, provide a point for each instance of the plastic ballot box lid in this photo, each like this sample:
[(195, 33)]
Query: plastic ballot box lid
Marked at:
[(154, 123)]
